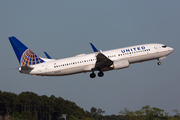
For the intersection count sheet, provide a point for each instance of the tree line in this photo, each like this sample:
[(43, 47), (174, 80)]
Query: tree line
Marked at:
[(30, 106), (148, 113), (145, 113)]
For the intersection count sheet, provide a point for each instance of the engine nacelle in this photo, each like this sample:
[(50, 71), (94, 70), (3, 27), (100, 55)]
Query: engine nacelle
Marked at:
[(119, 64)]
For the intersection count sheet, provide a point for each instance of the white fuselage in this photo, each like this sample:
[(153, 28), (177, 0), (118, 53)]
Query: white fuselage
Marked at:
[(86, 62)]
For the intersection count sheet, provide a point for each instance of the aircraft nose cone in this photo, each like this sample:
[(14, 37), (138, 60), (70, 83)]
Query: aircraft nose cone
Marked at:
[(171, 49)]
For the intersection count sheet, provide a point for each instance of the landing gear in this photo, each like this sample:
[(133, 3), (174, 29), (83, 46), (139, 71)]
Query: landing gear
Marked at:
[(92, 75), (100, 74), (159, 63)]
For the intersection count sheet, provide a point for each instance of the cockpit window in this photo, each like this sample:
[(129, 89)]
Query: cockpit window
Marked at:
[(164, 46)]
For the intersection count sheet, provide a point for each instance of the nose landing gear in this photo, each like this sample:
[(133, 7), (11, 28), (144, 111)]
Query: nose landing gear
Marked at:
[(159, 63)]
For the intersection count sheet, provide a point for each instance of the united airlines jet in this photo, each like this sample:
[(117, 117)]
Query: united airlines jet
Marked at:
[(98, 61)]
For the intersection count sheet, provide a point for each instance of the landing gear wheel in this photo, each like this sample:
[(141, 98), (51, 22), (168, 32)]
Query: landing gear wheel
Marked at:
[(159, 63), (92, 75), (100, 74)]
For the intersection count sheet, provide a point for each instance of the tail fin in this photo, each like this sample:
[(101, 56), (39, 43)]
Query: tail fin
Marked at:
[(25, 56)]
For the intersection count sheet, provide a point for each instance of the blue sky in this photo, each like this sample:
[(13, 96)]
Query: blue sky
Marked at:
[(65, 28)]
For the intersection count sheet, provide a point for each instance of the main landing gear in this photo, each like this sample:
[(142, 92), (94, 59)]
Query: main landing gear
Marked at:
[(92, 75), (100, 74)]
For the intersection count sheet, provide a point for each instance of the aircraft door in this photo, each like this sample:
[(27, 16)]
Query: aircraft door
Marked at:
[(44, 69), (156, 49)]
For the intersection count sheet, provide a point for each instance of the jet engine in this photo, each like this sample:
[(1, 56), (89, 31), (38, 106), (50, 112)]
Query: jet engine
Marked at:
[(119, 64)]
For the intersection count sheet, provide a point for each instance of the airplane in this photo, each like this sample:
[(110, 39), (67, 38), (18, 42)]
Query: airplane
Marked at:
[(98, 61)]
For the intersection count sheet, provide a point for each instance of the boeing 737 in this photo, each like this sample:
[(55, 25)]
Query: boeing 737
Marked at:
[(98, 61)]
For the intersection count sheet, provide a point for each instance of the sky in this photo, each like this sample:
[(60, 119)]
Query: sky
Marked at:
[(65, 28)]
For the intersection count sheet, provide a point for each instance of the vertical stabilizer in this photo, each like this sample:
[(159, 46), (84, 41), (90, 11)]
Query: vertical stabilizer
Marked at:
[(25, 56)]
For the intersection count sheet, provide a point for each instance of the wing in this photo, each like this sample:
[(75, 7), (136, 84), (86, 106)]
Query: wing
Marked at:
[(102, 62)]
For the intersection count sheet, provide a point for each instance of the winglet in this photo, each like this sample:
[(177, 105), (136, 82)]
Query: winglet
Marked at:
[(47, 55), (93, 47)]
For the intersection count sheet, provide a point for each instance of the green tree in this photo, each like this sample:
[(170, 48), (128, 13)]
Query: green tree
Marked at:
[(71, 117), (8, 102), (158, 112), (88, 118), (97, 113), (177, 112), (94, 111), (128, 115), (17, 115), (145, 113), (26, 115)]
